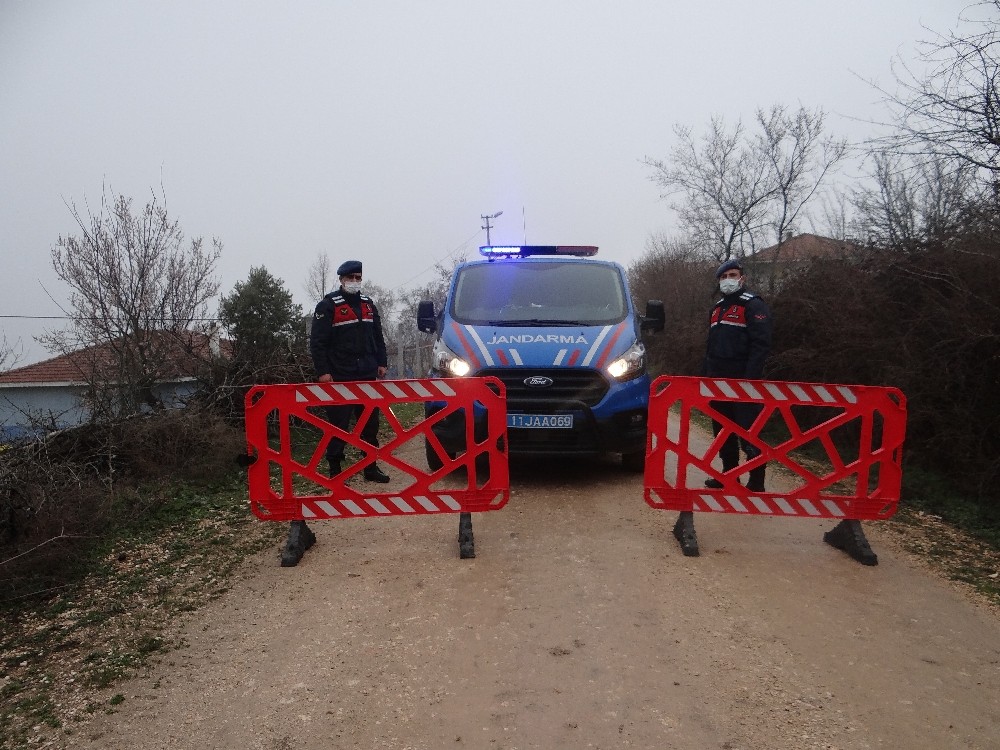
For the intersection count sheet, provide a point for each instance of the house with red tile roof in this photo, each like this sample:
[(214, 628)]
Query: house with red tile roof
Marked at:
[(52, 394), (773, 264)]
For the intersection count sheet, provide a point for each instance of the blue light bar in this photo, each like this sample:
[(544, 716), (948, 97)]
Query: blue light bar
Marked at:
[(499, 251), (523, 251)]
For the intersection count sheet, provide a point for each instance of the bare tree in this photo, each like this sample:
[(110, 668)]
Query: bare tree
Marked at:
[(679, 272), (838, 216), (673, 269), (416, 346), (951, 112), (386, 300), (10, 354), (138, 293), (800, 158), (723, 181), (738, 187), (320, 280), (914, 200)]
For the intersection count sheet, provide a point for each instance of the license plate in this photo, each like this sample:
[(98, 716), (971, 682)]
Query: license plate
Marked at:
[(540, 421)]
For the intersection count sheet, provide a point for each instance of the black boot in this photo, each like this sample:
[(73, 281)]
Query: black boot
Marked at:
[(685, 534), (300, 538), (715, 484), (755, 482), (308, 535), (374, 474), (335, 467)]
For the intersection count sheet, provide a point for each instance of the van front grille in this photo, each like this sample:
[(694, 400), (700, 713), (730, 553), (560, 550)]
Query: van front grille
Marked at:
[(570, 387)]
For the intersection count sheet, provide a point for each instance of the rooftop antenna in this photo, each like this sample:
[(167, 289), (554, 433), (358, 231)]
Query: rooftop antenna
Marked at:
[(524, 225), (486, 226)]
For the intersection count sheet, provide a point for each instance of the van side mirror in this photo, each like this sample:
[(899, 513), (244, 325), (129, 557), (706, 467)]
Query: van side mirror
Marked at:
[(655, 318), (426, 319)]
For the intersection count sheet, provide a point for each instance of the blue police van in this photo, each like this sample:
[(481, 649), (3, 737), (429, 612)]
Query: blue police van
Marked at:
[(557, 326)]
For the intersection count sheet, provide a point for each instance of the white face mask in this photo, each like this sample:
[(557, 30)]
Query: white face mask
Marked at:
[(352, 287), (729, 286)]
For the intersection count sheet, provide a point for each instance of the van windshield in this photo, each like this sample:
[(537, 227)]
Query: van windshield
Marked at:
[(539, 293)]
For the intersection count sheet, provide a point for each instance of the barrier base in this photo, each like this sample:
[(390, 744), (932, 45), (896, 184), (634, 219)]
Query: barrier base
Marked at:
[(300, 538), (684, 533), (466, 542), (850, 537)]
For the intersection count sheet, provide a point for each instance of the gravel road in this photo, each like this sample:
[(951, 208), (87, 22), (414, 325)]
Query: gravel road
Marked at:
[(578, 625)]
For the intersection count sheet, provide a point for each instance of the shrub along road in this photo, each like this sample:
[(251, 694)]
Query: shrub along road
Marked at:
[(579, 624)]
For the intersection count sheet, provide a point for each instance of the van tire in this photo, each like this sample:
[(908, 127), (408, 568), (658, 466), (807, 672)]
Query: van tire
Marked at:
[(634, 462)]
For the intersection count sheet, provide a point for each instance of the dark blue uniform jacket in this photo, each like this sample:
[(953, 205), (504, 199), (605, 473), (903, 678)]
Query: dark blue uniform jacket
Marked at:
[(739, 337), (346, 339)]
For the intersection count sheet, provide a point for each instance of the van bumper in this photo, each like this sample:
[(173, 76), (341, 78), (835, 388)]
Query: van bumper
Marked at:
[(623, 432)]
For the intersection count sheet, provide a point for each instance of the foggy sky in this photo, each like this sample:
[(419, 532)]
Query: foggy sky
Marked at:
[(383, 130)]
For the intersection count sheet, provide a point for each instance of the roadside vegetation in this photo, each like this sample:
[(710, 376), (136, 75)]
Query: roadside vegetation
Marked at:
[(117, 555), (111, 594), (903, 293)]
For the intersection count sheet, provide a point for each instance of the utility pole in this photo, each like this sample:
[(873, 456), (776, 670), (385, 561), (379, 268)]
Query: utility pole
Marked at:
[(486, 226)]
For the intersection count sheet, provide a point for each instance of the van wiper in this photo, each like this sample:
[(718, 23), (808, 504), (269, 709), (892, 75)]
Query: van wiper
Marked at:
[(531, 322), (543, 322)]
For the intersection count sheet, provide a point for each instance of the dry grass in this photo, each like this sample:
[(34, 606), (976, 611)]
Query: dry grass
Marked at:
[(59, 663)]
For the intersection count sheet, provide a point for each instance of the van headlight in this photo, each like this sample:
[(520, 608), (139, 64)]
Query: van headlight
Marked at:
[(445, 361), (631, 364)]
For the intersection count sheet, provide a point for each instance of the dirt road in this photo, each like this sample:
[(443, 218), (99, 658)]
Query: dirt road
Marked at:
[(578, 625)]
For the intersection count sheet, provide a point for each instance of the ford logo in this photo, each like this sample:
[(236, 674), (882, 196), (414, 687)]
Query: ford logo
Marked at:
[(538, 381)]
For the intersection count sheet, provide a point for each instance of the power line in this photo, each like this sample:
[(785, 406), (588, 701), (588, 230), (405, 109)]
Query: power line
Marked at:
[(36, 317), (77, 317), (399, 287), (461, 246)]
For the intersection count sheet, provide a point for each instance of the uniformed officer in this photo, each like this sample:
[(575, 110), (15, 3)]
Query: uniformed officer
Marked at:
[(739, 341), (346, 344)]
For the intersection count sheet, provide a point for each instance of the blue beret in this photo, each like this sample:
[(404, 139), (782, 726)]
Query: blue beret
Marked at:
[(729, 265), (349, 266)]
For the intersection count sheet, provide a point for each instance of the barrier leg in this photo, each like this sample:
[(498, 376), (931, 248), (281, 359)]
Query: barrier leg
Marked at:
[(300, 538), (850, 537), (466, 543), (684, 532)]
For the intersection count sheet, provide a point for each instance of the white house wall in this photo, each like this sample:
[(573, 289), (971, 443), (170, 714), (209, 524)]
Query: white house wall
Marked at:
[(175, 395), (24, 407)]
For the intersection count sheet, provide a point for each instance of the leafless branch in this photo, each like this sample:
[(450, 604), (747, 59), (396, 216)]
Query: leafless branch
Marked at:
[(949, 109), (136, 289), (37, 547)]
